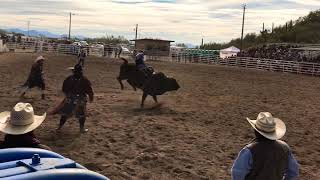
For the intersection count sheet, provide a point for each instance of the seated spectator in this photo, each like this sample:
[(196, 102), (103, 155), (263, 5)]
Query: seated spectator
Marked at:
[(278, 52), (18, 126)]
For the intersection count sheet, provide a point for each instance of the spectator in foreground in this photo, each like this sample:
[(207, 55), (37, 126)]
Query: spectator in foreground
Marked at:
[(267, 157), (18, 126)]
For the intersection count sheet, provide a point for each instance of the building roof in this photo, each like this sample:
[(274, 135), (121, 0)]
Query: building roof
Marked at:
[(231, 49), (148, 39)]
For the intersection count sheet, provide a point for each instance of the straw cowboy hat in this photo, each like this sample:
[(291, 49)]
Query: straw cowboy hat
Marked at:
[(20, 120), (268, 126), (39, 58)]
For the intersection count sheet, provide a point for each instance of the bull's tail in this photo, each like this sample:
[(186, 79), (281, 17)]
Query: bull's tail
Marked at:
[(58, 107), (124, 60)]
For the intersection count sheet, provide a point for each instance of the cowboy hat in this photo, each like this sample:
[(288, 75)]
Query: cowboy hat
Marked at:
[(39, 58), (20, 120), (77, 67), (268, 126)]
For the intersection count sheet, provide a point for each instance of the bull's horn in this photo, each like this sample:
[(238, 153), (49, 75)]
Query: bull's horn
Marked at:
[(125, 61)]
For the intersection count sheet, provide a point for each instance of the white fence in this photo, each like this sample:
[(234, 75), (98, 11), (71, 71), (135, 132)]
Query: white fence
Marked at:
[(71, 49), (307, 68)]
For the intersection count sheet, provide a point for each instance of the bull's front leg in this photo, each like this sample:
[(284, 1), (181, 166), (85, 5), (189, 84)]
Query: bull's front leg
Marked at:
[(144, 96), (155, 99), (132, 85), (120, 81)]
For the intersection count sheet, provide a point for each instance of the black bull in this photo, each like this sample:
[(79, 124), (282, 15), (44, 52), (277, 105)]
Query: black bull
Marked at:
[(155, 85)]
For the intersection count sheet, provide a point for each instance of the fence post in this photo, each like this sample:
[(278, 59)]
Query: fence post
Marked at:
[(246, 62), (185, 60), (312, 69)]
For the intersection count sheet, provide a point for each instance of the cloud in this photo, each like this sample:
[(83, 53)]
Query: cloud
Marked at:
[(130, 1), (179, 20)]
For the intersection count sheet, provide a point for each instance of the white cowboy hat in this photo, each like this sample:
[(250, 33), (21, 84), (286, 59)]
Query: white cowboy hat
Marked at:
[(39, 58), (20, 120), (70, 68), (268, 126)]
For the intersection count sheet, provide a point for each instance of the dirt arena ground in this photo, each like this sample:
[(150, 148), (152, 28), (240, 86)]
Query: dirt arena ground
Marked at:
[(196, 133)]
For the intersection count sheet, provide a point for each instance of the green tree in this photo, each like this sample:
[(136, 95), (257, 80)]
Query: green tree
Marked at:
[(303, 30)]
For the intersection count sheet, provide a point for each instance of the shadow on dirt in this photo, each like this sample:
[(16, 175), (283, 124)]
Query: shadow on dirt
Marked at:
[(155, 110)]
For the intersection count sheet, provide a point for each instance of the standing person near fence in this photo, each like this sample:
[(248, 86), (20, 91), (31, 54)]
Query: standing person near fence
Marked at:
[(35, 78), (266, 157), (81, 57)]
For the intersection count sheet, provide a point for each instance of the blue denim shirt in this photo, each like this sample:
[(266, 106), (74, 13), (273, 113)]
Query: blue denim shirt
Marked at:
[(243, 165), (139, 58)]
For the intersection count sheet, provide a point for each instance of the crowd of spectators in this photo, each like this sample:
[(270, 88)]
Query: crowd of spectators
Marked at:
[(279, 52)]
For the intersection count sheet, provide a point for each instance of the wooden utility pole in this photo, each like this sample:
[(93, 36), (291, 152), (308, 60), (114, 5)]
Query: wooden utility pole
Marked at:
[(136, 31), (28, 28), (244, 12), (136, 37), (69, 37), (272, 28)]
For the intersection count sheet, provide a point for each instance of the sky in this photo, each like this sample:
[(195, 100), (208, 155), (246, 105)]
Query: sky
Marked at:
[(183, 21)]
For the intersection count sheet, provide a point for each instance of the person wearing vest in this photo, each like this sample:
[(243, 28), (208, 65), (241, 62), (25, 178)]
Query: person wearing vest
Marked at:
[(266, 157), (141, 66), (35, 78), (76, 89)]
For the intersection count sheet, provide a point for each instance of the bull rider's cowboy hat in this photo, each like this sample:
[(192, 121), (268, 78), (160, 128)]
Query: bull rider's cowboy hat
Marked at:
[(39, 58), (268, 126), (20, 120)]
